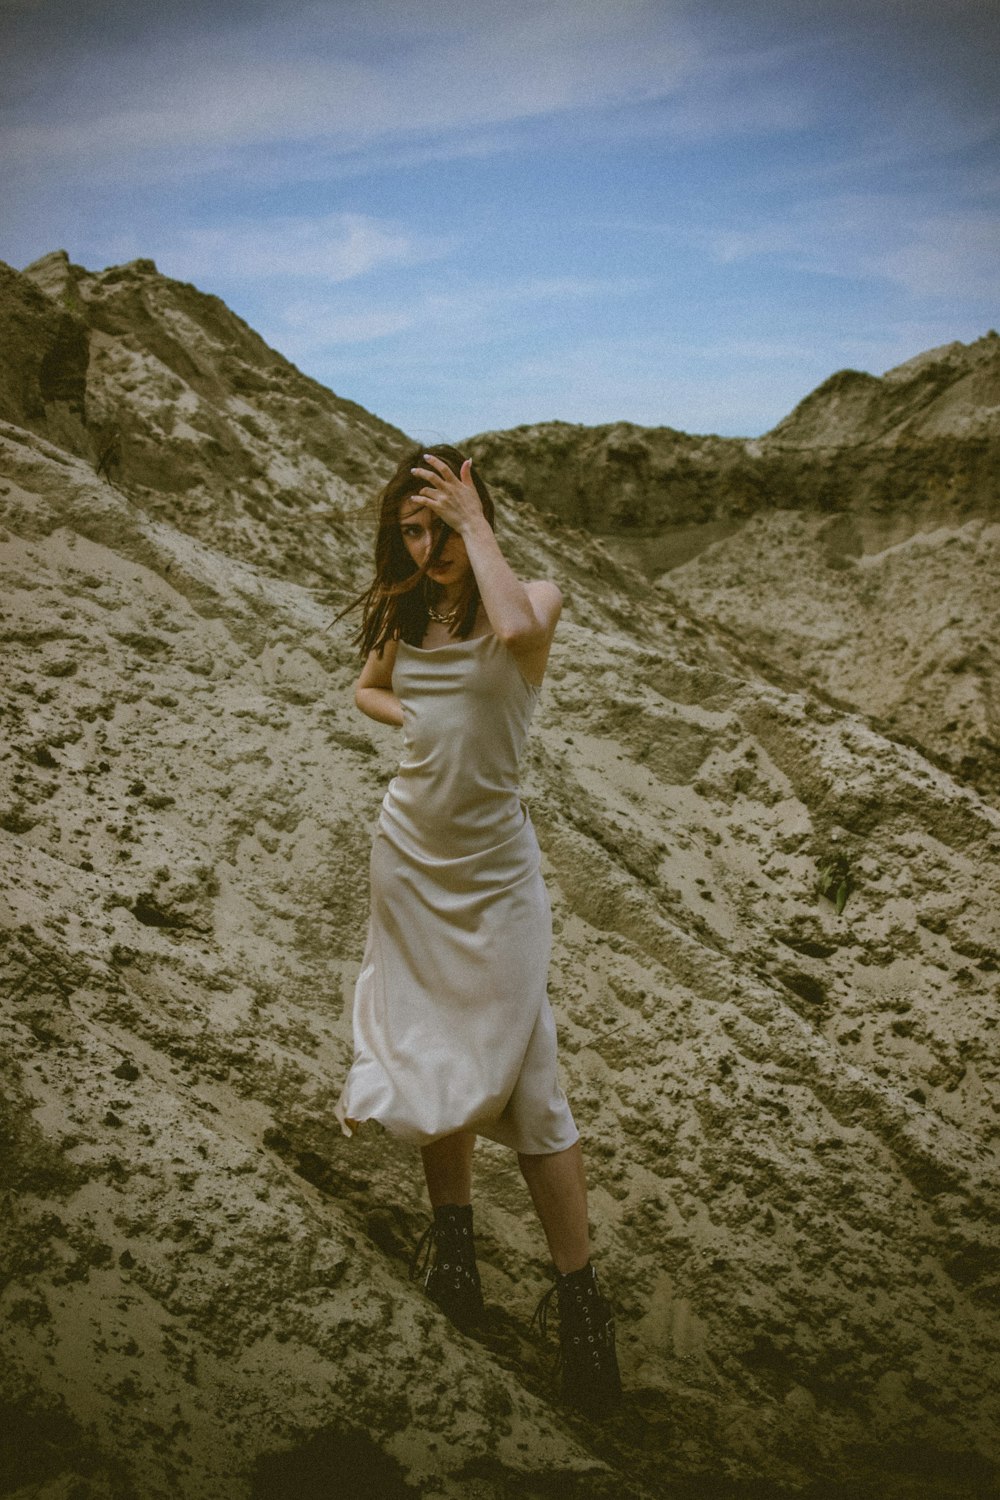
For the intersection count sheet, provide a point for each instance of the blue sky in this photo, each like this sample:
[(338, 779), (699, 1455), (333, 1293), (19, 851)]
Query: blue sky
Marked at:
[(468, 216)]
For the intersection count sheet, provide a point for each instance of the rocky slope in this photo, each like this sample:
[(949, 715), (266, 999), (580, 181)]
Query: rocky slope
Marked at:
[(188, 411), (909, 632), (852, 550), (925, 438), (949, 393), (792, 1112)]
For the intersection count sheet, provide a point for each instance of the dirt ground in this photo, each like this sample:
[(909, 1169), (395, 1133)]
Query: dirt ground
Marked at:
[(791, 1111)]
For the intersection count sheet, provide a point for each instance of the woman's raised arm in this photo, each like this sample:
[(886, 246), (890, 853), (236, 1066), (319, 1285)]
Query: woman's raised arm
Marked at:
[(523, 615)]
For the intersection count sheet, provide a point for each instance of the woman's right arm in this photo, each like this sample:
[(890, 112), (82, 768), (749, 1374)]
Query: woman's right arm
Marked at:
[(373, 690)]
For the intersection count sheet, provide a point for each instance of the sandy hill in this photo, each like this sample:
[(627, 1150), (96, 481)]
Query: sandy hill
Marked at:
[(183, 406), (952, 392), (792, 1111), (853, 551)]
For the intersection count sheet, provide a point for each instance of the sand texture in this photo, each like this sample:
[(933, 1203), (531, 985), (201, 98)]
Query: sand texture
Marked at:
[(853, 551), (792, 1114)]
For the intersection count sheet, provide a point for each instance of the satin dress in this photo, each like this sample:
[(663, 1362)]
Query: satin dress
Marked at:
[(453, 1029)]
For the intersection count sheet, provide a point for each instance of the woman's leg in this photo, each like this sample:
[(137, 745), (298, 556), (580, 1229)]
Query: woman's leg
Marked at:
[(451, 1277), (448, 1169), (590, 1378), (558, 1188)]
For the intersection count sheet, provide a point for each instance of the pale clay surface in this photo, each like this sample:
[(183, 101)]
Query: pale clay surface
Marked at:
[(792, 1117)]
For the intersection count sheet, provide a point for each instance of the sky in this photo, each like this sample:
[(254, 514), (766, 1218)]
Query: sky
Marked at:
[(468, 216)]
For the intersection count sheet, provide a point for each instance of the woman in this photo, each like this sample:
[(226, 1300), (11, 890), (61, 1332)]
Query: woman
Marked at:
[(453, 1031)]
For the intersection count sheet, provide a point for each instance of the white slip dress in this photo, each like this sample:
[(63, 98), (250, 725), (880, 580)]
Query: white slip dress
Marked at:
[(453, 1029)]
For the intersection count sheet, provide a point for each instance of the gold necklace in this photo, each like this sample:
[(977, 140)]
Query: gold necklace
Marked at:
[(448, 619)]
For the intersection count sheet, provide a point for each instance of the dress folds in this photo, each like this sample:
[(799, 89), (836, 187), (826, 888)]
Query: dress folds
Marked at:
[(453, 1029)]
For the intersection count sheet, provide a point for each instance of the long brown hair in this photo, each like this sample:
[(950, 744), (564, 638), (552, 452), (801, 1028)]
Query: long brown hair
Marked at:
[(395, 604)]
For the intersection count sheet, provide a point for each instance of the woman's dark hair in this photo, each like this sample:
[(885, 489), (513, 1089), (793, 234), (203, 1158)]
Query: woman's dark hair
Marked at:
[(395, 604)]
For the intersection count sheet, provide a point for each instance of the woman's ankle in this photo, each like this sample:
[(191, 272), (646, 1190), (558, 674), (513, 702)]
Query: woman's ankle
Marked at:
[(571, 1265)]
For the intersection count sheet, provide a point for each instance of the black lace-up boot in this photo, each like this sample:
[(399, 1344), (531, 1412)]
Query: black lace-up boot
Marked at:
[(445, 1260), (590, 1378)]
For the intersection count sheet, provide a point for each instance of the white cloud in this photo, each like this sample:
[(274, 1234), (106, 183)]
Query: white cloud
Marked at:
[(876, 236), (282, 81), (333, 248), (470, 313), (314, 325)]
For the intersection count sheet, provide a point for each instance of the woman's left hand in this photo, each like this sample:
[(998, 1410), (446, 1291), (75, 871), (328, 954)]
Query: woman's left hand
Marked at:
[(451, 496)]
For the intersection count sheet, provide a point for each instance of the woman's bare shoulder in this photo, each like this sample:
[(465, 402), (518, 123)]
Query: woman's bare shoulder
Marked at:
[(377, 670)]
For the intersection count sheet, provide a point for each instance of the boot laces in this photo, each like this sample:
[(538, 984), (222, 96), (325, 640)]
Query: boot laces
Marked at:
[(423, 1257), (445, 1250), (541, 1316), (541, 1312), (585, 1322)]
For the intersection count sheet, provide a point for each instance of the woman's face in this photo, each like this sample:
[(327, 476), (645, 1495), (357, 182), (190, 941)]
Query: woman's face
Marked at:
[(420, 528)]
